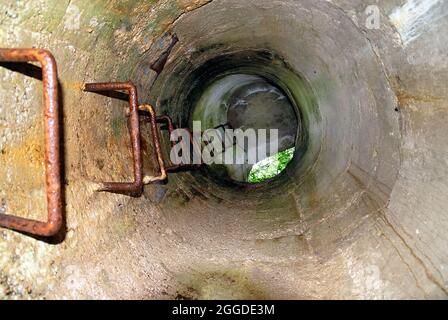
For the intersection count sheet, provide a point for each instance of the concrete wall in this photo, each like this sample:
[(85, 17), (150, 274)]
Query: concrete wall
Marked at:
[(362, 216)]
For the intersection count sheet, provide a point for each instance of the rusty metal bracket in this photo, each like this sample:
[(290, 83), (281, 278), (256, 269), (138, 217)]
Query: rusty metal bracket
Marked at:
[(52, 140), (164, 169), (134, 188), (156, 140), (169, 122), (174, 168)]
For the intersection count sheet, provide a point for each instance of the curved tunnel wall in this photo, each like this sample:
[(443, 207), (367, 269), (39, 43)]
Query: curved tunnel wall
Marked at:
[(360, 213)]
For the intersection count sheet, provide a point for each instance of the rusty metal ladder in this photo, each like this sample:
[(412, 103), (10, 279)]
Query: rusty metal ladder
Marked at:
[(135, 187), (53, 165)]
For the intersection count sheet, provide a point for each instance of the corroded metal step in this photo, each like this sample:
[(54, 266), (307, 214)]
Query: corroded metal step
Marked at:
[(52, 144)]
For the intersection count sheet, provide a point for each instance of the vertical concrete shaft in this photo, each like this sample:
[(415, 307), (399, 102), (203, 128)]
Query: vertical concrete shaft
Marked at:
[(362, 214)]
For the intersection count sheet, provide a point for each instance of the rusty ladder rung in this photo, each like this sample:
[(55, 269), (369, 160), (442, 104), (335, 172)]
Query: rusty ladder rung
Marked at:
[(52, 143), (52, 138), (136, 187)]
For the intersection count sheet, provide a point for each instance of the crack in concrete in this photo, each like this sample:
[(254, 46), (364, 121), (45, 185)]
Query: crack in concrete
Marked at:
[(428, 273), (188, 10), (417, 283)]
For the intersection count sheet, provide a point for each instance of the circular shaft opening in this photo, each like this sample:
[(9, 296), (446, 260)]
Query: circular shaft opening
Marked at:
[(256, 124)]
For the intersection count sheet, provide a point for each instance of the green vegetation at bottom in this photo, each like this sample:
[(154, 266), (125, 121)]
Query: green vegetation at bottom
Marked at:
[(270, 167)]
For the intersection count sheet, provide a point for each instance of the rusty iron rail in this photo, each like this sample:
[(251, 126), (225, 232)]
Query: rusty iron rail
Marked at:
[(133, 188), (174, 168), (52, 145), (52, 142), (156, 140), (136, 187), (169, 123)]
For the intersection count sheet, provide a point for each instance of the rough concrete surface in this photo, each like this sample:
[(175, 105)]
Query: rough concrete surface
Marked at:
[(362, 215)]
